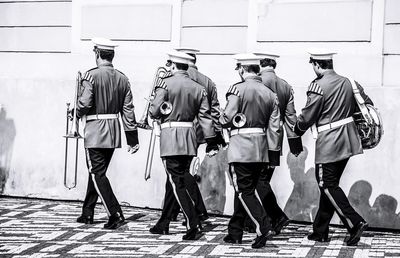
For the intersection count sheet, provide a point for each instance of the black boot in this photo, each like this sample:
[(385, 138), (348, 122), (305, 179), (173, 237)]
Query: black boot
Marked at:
[(192, 234), (280, 224), (318, 237), (260, 241), (86, 219), (114, 221), (357, 232), (158, 230), (232, 240)]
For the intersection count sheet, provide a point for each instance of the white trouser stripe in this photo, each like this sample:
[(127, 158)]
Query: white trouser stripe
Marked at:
[(320, 172), (337, 207), (95, 183), (258, 197), (234, 179), (175, 193)]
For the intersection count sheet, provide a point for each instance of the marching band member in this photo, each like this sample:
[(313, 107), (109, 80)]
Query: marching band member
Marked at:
[(252, 147), (105, 97), (178, 144), (330, 106), (288, 119)]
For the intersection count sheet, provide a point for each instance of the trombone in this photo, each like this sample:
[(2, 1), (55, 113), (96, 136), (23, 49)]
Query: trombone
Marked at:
[(72, 133)]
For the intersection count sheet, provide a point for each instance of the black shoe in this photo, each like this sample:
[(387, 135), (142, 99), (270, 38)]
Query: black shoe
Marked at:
[(203, 217), (86, 219), (318, 237), (357, 232), (231, 240), (280, 224), (199, 225), (159, 231), (192, 234), (114, 221), (260, 241)]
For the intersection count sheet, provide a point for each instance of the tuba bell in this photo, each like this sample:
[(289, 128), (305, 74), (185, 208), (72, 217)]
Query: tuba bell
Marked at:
[(72, 132), (166, 108), (144, 120), (239, 120)]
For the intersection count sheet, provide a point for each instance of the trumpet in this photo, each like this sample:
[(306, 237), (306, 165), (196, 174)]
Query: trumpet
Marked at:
[(239, 120), (72, 133), (144, 120)]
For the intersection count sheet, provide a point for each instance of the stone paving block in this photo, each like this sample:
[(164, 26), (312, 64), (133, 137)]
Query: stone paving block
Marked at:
[(37, 228)]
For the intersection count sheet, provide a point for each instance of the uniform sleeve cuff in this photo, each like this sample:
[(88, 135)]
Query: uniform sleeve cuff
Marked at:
[(274, 157), (132, 137), (298, 131), (295, 145)]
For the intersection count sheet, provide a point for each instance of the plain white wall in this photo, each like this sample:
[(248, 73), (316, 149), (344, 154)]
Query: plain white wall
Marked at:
[(35, 86)]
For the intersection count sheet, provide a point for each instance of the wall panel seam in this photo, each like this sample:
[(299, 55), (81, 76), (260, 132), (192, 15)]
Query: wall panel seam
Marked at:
[(214, 26), (37, 26)]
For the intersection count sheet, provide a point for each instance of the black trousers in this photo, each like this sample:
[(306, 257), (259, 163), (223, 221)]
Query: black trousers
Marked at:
[(267, 197), (194, 193), (176, 191), (97, 160), (333, 198), (245, 177)]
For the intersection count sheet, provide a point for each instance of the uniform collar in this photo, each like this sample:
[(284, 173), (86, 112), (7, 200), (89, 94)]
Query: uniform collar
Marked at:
[(330, 71), (268, 70), (181, 73), (106, 64), (253, 78), (193, 66)]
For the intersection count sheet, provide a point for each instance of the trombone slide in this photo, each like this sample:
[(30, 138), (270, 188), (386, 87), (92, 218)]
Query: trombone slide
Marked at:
[(150, 152)]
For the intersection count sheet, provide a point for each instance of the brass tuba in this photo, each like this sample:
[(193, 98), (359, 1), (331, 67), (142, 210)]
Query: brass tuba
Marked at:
[(72, 133), (144, 120), (239, 120), (144, 123)]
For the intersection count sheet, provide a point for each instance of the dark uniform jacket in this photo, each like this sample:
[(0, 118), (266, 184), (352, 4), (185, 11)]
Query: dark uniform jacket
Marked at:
[(107, 91), (329, 99), (212, 98), (260, 106), (189, 101), (286, 107)]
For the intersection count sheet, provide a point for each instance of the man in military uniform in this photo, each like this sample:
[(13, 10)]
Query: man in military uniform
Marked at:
[(288, 119), (330, 106), (212, 98), (251, 146), (105, 97), (178, 143)]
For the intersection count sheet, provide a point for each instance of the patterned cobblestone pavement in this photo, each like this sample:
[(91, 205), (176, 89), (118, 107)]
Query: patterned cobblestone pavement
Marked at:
[(38, 228)]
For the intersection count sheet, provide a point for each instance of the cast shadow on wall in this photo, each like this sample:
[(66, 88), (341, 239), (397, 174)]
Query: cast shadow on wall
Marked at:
[(382, 213), (303, 202), (7, 136), (212, 181)]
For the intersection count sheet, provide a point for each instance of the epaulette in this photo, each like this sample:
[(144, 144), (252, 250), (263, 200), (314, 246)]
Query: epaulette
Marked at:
[(160, 83), (233, 90), (88, 77), (315, 88), (166, 75)]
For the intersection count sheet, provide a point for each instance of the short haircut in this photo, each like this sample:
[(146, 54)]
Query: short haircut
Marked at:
[(181, 66), (268, 62), (324, 64), (252, 68), (106, 54)]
